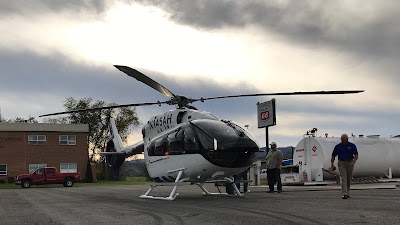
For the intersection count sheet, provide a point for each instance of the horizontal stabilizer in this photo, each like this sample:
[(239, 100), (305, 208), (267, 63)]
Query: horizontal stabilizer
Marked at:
[(130, 150), (111, 153)]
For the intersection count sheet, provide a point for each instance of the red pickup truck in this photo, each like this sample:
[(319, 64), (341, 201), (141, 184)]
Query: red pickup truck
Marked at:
[(47, 175)]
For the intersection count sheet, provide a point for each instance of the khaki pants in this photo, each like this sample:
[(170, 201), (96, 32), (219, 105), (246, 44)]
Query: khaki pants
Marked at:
[(346, 174)]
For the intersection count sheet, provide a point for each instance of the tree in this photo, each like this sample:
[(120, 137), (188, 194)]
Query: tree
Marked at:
[(31, 119), (98, 120)]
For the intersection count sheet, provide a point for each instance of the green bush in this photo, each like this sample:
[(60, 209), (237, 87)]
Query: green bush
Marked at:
[(103, 171), (89, 175)]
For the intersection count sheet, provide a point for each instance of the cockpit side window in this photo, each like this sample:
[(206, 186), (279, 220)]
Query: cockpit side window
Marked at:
[(151, 149), (190, 144), (206, 141), (161, 146), (175, 143), (180, 141)]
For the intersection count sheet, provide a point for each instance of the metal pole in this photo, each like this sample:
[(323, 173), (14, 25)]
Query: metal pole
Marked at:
[(266, 140)]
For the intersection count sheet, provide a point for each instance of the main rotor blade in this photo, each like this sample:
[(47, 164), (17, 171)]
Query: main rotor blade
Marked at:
[(101, 108), (145, 79), (286, 93)]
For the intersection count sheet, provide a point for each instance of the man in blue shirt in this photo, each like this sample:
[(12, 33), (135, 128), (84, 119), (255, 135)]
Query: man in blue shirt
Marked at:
[(347, 156)]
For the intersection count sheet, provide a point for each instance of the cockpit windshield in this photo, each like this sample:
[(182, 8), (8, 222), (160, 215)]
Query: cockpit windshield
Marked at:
[(225, 143), (240, 130), (211, 131)]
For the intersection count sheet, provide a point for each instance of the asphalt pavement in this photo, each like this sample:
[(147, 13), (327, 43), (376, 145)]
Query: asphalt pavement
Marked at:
[(369, 204)]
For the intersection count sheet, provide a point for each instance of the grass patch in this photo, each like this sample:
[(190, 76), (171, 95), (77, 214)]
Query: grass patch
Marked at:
[(127, 181), (9, 186)]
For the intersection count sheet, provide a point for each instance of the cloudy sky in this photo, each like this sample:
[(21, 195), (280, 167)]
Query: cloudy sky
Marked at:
[(54, 49)]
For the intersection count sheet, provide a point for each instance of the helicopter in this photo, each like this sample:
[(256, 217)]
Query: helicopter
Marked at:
[(185, 145)]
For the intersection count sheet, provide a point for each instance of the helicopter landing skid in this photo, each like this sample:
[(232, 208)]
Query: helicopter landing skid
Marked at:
[(179, 182), (173, 193), (228, 181)]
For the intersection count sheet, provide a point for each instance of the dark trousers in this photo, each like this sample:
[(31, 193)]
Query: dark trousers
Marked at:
[(274, 176), (242, 176)]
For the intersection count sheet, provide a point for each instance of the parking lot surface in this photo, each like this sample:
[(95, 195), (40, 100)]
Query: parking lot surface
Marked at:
[(369, 204)]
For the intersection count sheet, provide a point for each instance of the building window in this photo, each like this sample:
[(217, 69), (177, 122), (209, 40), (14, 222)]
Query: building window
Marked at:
[(67, 139), (3, 169), (36, 139), (68, 168), (33, 167)]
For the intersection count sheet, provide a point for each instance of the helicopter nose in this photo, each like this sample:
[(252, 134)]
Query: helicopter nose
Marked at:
[(234, 154), (225, 144)]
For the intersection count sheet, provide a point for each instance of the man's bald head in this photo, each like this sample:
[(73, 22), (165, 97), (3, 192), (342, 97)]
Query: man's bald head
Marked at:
[(344, 138)]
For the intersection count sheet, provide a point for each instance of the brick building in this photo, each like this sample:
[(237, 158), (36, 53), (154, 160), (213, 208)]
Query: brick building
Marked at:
[(27, 146)]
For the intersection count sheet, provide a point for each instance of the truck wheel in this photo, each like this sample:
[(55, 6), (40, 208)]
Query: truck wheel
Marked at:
[(68, 182), (26, 184)]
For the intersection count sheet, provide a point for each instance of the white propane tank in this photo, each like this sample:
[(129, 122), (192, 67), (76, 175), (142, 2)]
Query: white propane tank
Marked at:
[(376, 156)]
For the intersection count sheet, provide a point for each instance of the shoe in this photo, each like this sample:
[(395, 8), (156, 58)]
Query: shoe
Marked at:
[(270, 191), (279, 191), (345, 196)]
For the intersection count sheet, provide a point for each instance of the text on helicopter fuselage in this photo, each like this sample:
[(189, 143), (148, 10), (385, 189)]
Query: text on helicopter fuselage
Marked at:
[(160, 121)]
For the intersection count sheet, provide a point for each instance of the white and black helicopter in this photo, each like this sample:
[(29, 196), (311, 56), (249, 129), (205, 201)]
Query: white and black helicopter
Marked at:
[(185, 145)]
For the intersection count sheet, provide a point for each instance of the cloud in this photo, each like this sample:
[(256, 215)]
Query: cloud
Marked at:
[(306, 21), (367, 31), (51, 50), (21, 7), (37, 85), (247, 52)]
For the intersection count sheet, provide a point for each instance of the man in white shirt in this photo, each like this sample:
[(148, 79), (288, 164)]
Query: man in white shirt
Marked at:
[(274, 162)]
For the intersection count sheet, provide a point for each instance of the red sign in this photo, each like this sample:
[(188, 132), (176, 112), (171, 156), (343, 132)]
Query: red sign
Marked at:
[(264, 115)]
